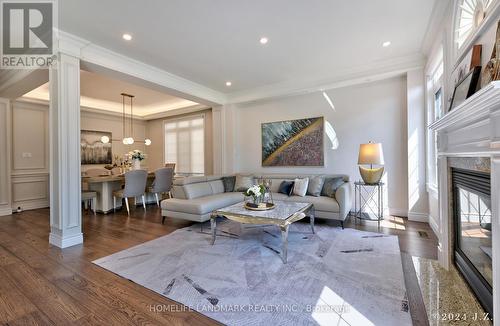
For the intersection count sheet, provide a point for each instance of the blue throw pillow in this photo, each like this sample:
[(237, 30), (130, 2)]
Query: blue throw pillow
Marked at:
[(286, 187)]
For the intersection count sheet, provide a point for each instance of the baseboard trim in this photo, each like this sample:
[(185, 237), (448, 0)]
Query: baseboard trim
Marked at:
[(31, 205), (58, 241), (434, 226), (418, 217), (4, 211), (397, 212)]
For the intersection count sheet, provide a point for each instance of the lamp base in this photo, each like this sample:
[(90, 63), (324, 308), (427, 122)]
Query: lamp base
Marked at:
[(371, 176)]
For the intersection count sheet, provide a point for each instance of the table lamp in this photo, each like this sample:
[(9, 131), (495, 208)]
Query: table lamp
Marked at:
[(371, 154)]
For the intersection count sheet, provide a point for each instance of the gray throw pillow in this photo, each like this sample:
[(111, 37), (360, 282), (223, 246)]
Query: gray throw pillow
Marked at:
[(331, 185), (228, 183), (315, 186), (243, 183)]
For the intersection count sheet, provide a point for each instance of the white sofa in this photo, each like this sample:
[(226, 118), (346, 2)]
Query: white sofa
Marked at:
[(194, 198)]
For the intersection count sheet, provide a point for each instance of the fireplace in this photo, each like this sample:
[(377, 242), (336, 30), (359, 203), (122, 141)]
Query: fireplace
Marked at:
[(472, 228)]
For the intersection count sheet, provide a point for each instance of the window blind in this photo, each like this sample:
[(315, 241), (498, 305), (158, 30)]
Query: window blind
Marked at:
[(185, 144)]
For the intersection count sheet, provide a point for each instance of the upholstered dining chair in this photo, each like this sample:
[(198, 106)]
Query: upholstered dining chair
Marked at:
[(135, 186), (97, 172), (89, 199), (162, 183), (170, 165)]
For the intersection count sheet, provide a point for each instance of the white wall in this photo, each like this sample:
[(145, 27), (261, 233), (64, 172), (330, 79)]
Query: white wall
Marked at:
[(369, 112)]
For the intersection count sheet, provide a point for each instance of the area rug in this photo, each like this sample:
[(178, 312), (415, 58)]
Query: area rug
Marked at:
[(333, 277)]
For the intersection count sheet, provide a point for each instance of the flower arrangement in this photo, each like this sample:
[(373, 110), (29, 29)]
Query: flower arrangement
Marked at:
[(137, 155), (255, 192)]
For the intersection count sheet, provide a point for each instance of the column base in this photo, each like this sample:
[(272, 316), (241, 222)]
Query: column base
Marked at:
[(65, 242)]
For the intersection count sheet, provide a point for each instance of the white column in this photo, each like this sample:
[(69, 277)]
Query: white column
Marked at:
[(5, 141), (65, 183), (418, 206), (218, 139), (495, 230)]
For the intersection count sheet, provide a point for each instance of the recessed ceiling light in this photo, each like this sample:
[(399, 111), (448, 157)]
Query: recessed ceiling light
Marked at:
[(127, 37), (263, 40), (386, 44), (228, 83)]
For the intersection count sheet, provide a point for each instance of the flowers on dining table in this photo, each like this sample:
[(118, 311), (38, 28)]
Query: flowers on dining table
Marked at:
[(136, 155)]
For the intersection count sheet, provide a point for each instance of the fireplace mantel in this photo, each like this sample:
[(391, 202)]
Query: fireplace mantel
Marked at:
[(472, 129)]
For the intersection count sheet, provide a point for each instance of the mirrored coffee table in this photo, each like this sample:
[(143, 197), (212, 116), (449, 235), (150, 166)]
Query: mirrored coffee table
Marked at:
[(284, 214)]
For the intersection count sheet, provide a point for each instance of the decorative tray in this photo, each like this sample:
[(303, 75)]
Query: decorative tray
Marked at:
[(254, 207)]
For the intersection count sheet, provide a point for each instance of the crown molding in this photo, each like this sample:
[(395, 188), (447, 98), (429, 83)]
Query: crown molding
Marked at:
[(361, 74), (102, 57), (170, 113), (436, 24)]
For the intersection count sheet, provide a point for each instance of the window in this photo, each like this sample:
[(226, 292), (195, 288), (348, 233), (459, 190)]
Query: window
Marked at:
[(470, 14), (435, 110), (185, 144)]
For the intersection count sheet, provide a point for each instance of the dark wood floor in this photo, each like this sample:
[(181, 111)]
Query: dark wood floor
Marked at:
[(43, 285)]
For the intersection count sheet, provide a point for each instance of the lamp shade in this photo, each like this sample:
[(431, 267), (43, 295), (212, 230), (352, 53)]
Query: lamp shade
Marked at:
[(371, 153)]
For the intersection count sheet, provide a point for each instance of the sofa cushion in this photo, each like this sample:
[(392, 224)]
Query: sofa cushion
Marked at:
[(243, 182), (229, 183), (286, 187), (331, 185), (196, 190), (315, 185), (321, 203), (217, 186), (202, 205), (300, 187)]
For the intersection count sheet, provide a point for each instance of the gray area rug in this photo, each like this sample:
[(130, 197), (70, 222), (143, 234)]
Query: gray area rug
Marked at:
[(335, 277)]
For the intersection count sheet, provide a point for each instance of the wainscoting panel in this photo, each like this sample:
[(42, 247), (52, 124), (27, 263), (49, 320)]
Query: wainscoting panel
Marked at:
[(30, 191)]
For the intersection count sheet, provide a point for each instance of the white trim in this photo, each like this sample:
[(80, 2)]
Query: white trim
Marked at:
[(4, 211), (418, 217), (352, 76), (58, 241), (434, 226), (398, 212), (102, 57)]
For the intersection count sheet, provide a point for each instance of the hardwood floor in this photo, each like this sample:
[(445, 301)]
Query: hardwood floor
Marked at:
[(43, 285)]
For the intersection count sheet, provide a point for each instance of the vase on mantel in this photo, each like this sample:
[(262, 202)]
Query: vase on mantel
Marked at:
[(136, 164)]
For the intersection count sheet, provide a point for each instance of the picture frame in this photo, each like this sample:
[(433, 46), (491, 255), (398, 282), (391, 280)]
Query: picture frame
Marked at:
[(465, 87), (471, 60), (92, 150), (292, 143)]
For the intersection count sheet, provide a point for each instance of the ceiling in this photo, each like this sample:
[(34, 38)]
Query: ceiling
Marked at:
[(103, 93), (211, 42)]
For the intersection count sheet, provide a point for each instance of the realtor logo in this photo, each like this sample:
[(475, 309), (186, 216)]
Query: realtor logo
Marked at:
[(27, 34)]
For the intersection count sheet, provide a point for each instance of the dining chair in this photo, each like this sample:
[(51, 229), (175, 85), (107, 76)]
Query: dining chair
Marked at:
[(97, 172), (170, 165), (135, 186), (162, 183), (89, 198)]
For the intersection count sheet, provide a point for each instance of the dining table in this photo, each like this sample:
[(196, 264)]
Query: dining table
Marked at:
[(105, 185)]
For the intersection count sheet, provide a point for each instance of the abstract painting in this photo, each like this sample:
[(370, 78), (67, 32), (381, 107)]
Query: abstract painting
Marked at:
[(293, 143), (92, 150)]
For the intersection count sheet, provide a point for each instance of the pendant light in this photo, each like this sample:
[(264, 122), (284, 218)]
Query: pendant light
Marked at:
[(128, 139)]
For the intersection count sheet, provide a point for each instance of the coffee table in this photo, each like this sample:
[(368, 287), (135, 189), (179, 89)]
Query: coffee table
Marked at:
[(284, 214)]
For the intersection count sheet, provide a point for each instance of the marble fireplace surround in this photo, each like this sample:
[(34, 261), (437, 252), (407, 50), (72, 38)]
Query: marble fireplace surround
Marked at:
[(469, 136)]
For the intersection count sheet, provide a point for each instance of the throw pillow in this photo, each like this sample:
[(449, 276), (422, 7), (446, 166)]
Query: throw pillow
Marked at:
[(331, 185), (300, 187), (243, 182), (228, 183), (286, 187), (315, 186)]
